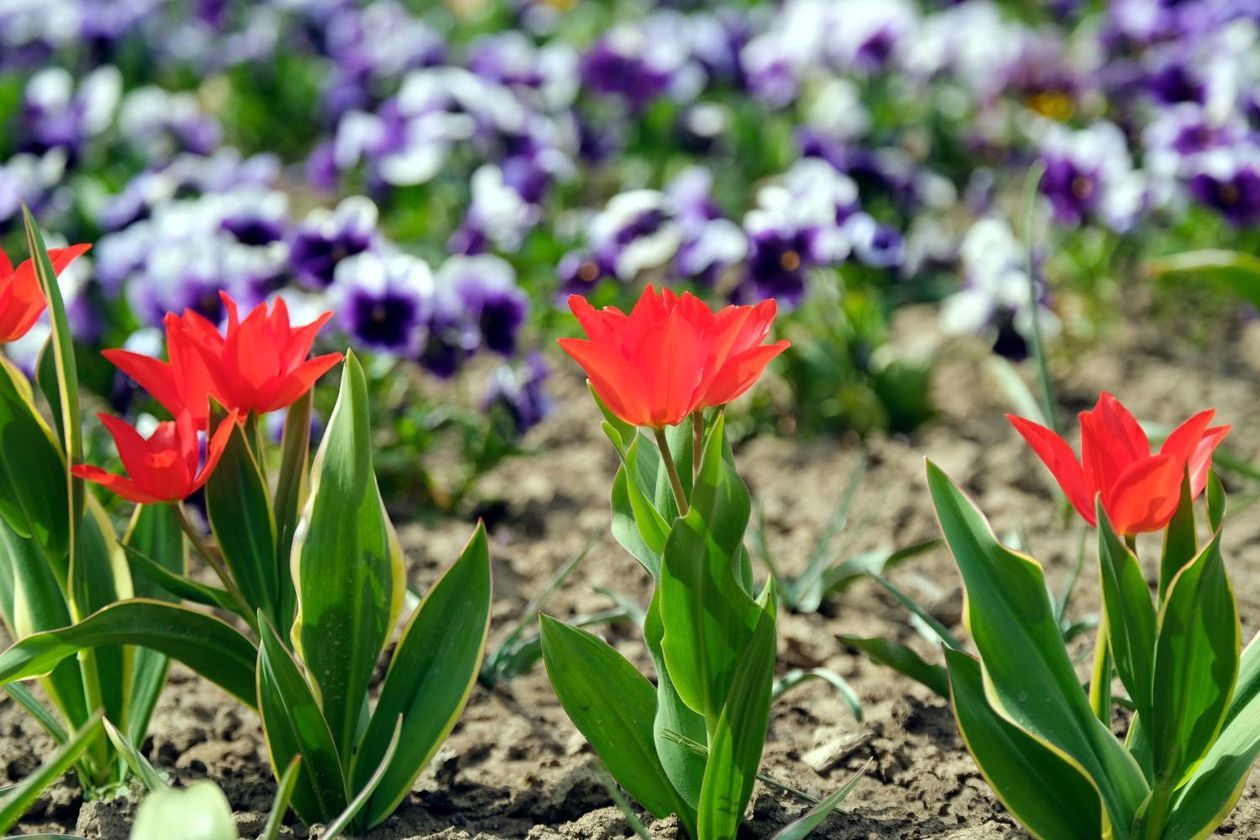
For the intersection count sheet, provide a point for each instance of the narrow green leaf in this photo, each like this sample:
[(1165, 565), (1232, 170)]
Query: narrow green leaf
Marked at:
[(197, 812), (153, 533), (34, 498), (683, 767), (239, 508), (1215, 501), (939, 633), (31, 705), (1206, 799), (291, 489), (62, 343), (293, 725), (21, 796), (1046, 793), (1196, 665), (430, 678), (347, 565), (901, 659), (204, 643), (844, 574), (284, 795), (1128, 612), (1011, 619), (707, 615), (1180, 542), (99, 577), (796, 677), (1237, 271), (348, 817), (738, 739), (803, 826), (613, 705), (150, 571), (135, 760), (38, 605), (619, 431)]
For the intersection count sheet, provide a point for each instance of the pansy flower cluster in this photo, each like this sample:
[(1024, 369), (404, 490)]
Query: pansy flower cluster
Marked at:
[(752, 152)]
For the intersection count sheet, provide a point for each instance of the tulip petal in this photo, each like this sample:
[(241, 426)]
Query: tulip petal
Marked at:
[(301, 380), (1111, 441), (1200, 463), (214, 451), (740, 373), (1183, 440), (617, 382), (602, 325), (117, 484), (153, 375), (1059, 458), (1145, 496), (671, 362)]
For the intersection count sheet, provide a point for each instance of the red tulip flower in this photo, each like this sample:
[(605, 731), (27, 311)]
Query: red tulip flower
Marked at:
[(165, 467), (671, 355), (260, 365), (183, 382), (21, 298), (1140, 490)]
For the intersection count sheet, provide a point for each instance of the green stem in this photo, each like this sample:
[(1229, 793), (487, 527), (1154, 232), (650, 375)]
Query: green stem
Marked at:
[(1156, 816), (1100, 681), (214, 562), (697, 441), (670, 467), (1035, 175)]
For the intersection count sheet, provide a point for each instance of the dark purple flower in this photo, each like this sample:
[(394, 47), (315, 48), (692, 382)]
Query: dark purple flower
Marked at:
[(54, 115), (616, 65), (1233, 191), (1073, 190), (328, 237), (778, 260), (521, 393), (1174, 82), (486, 289), (383, 302)]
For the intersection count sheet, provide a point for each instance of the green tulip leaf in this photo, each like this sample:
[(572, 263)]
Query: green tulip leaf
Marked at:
[(707, 615), (1030, 679), (684, 767), (613, 705), (34, 498), (1129, 614), (1180, 541), (1216, 785), (740, 736), (294, 725), (1196, 665), (430, 678), (209, 646), (803, 826), (292, 486), (1042, 790), (903, 660), (347, 565), (22, 796), (239, 508), (1237, 271)]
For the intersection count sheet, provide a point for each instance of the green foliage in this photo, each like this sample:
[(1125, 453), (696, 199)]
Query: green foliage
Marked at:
[(692, 745), (1028, 722)]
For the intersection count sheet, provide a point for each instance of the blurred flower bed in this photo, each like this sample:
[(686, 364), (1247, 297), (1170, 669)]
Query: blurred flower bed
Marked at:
[(441, 176)]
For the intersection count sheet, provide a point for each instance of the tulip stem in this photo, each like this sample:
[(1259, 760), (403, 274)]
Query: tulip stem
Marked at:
[(214, 562), (697, 442), (672, 469)]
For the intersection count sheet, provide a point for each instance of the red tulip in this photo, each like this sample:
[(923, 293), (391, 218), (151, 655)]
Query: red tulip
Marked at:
[(1140, 490), (260, 365), (165, 467), (21, 298), (671, 355), (183, 383)]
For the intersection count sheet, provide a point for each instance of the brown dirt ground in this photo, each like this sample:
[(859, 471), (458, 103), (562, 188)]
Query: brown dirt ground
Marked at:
[(515, 767)]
